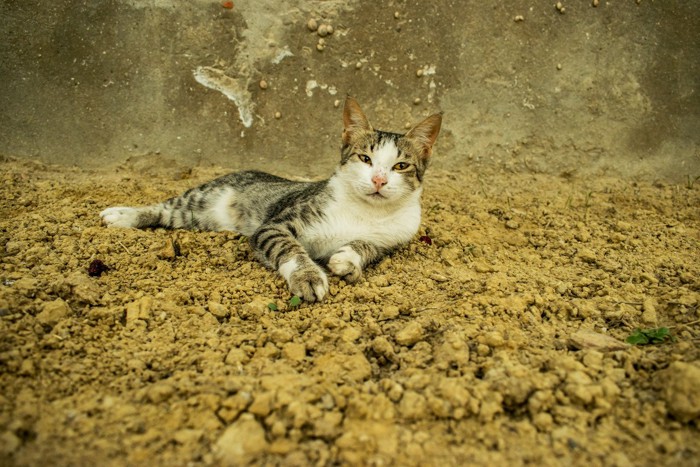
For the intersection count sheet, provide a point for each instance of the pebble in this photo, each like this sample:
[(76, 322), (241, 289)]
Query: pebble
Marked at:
[(560, 8), (649, 311), (416, 101), (263, 84), (494, 339), (519, 18), (236, 356), (312, 25), (242, 443), (53, 312), (278, 115), (410, 334), (218, 310), (586, 255), (294, 351), (9, 443), (584, 339), (595, 3), (160, 392), (681, 390)]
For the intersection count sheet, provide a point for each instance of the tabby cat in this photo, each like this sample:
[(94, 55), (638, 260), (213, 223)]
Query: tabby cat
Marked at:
[(369, 206)]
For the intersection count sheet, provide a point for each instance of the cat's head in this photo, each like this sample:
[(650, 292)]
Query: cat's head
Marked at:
[(379, 166)]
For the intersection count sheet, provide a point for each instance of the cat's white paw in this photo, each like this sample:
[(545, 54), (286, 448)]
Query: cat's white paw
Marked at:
[(306, 280), (120, 217), (347, 264)]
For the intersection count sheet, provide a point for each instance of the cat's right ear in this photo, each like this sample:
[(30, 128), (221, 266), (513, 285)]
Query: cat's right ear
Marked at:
[(354, 120)]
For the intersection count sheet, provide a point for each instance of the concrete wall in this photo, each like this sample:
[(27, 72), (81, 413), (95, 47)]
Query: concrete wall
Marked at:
[(606, 89)]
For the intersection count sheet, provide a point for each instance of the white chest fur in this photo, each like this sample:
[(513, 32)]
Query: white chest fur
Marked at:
[(347, 220)]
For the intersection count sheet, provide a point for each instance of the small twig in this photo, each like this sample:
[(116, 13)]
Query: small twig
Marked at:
[(124, 246), (684, 324)]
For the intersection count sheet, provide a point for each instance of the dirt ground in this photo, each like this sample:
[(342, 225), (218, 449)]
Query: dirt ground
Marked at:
[(480, 343)]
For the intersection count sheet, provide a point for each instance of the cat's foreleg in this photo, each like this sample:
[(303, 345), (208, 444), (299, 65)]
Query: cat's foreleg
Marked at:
[(280, 250), (349, 261)]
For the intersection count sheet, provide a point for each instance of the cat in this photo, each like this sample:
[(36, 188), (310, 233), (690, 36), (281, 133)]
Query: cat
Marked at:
[(368, 207)]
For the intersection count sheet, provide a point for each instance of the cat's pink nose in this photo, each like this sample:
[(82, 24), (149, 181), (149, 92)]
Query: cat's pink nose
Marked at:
[(379, 181)]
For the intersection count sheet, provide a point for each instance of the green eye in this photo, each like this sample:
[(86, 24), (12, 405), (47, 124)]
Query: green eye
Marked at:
[(401, 166), (365, 158)]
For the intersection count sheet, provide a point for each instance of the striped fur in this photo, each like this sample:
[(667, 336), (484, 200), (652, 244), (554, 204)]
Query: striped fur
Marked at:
[(369, 206)]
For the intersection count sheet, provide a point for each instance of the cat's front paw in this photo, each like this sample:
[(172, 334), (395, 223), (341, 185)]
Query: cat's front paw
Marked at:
[(120, 217), (307, 281), (347, 264)]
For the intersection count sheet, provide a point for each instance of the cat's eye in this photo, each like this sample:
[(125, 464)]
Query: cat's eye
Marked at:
[(401, 166), (365, 158)]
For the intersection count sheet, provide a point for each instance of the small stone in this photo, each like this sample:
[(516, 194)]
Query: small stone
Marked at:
[(278, 115), (358, 65), (494, 339), (218, 310), (254, 309), (27, 368), (543, 421), (581, 340), (263, 84), (410, 334), (262, 404), (323, 30), (595, 3), (139, 309), (419, 72), (586, 255), (242, 443), (383, 347), (649, 311), (389, 312), (312, 25), (9, 443), (294, 351), (416, 101), (171, 249), (187, 436), (160, 392), (396, 15), (320, 47), (53, 312), (519, 18), (681, 390), (236, 356)]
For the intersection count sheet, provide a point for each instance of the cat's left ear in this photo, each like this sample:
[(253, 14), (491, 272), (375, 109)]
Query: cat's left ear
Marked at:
[(425, 134)]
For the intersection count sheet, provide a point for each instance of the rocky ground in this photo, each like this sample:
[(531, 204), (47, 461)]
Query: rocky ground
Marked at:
[(495, 338)]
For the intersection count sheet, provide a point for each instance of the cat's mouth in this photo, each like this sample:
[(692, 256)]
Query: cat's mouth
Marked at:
[(376, 195)]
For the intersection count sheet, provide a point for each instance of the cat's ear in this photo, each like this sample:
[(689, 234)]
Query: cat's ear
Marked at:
[(354, 120), (425, 133)]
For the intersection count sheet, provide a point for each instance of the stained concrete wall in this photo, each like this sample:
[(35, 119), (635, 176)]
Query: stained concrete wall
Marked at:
[(524, 87)]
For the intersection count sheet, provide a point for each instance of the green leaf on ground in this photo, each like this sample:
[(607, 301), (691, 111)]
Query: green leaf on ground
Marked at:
[(294, 302), (649, 336)]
